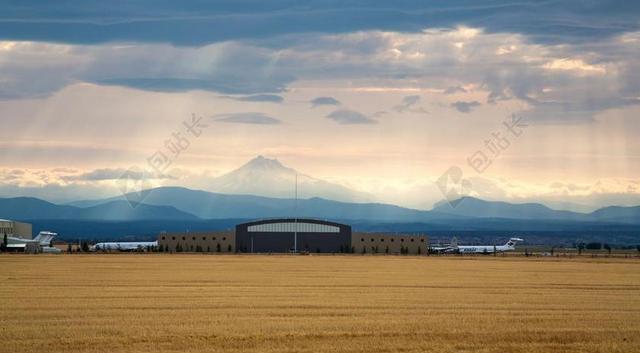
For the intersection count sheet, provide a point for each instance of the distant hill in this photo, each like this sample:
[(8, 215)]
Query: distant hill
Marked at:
[(208, 205), (26, 208), (473, 207), (617, 214), (33, 208)]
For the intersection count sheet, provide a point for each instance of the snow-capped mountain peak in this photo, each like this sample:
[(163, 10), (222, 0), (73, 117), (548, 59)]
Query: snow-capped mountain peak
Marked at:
[(269, 177)]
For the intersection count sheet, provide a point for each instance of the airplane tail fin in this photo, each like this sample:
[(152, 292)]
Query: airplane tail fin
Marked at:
[(44, 238), (513, 241)]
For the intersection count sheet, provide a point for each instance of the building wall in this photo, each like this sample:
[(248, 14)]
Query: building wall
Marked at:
[(15, 229), (23, 230), (370, 243), (208, 241)]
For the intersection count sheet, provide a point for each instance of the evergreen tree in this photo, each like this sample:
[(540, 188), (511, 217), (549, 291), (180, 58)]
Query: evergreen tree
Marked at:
[(69, 249), (4, 242), (229, 248), (386, 250), (218, 248)]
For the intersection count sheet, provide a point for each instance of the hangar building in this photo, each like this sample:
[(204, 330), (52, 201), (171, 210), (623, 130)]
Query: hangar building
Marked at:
[(279, 235), (286, 234)]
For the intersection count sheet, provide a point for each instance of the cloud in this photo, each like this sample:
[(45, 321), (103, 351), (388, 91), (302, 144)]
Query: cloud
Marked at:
[(465, 107), (409, 105), (324, 101), (247, 118), (196, 23), (455, 89), (349, 117), (113, 174), (568, 83), (272, 98), (231, 68)]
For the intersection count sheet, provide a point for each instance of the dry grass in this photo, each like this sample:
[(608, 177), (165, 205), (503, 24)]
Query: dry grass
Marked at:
[(200, 303)]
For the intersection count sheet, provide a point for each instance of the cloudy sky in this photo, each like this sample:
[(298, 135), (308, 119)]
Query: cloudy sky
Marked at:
[(533, 101)]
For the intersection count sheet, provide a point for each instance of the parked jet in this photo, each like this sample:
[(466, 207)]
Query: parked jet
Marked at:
[(477, 249), (41, 243), (125, 246)]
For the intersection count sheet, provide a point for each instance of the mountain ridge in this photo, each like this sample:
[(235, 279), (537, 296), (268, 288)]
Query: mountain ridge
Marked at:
[(209, 205)]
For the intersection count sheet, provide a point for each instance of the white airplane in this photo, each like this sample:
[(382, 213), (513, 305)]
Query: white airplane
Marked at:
[(477, 249), (43, 240), (124, 246)]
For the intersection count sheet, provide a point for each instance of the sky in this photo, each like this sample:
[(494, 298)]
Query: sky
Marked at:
[(523, 101)]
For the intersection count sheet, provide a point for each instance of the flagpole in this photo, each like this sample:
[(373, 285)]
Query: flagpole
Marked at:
[(295, 215)]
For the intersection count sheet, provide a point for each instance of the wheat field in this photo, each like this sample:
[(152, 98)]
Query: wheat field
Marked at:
[(218, 303)]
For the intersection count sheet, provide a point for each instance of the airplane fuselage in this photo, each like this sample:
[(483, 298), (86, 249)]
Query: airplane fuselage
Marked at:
[(125, 246), (483, 249)]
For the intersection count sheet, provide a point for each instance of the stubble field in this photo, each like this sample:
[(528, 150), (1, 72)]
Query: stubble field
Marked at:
[(209, 303)]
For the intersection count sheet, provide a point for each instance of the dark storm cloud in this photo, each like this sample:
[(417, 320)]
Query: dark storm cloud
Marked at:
[(197, 23), (350, 117), (465, 107), (247, 118), (270, 98), (324, 101)]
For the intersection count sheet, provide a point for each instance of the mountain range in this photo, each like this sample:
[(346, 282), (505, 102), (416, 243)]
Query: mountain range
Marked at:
[(264, 188), (176, 203)]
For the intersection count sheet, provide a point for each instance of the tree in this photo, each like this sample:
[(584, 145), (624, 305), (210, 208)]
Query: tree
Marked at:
[(594, 246), (208, 248), (85, 246), (580, 247), (69, 249), (218, 248), (419, 251), (4, 242), (386, 250), (607, 247), (230, 248)]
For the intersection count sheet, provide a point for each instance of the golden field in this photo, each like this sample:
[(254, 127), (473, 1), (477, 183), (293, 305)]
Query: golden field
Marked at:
[(216, 303)]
